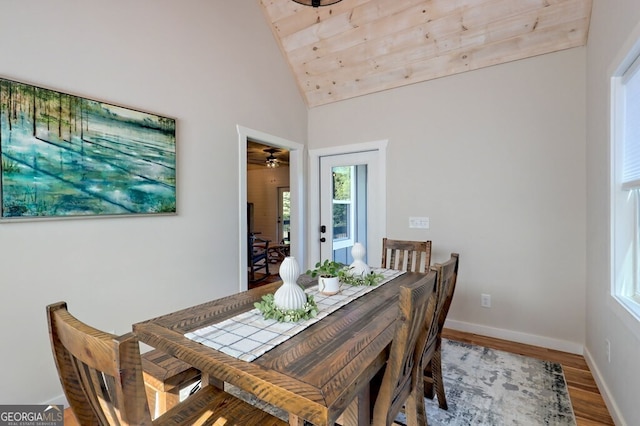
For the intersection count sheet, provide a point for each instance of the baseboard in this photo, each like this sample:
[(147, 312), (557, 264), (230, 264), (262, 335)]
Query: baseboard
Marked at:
[(515, 336), (604, 390)]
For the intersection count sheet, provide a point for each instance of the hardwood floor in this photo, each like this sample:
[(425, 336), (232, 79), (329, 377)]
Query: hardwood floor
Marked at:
[(588, 405)]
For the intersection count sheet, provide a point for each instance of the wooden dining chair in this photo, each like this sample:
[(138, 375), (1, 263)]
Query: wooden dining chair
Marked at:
[(401, 383), (411, 256), (101, 375), (258, 258), (432, 355)]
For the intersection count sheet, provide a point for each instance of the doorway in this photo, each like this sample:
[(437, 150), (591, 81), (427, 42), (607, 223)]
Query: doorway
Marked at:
[(296, 192), (267, 175), (351, 202)]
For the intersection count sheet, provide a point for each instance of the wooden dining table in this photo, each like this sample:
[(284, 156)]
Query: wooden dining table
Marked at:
[(318, 375)]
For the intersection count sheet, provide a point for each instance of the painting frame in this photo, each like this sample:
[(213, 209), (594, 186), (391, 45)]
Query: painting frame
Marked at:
[(65, 156)]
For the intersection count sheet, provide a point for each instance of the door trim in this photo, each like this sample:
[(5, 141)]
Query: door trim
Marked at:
[(296, 187), (378, 227)]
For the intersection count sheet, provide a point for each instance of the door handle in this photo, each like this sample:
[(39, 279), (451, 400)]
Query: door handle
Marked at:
[(323, 239), (323, 229)]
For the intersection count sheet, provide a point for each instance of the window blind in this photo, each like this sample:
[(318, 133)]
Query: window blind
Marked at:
[(631, 127)]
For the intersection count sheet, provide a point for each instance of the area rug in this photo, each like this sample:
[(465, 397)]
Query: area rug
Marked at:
[(490, 387), (487, 387)]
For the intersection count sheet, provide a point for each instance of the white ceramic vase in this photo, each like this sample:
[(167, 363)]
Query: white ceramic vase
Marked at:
[(358, 267), (290, 295)]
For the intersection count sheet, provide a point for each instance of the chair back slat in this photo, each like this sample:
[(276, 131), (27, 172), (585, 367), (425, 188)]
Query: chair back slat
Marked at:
[(99, 390), (403, 255), (399, 387)]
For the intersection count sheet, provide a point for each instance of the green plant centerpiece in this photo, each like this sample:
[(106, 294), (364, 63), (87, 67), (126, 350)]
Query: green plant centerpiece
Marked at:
[(272, 311), (368, 280), (328, 269), (331, 268)]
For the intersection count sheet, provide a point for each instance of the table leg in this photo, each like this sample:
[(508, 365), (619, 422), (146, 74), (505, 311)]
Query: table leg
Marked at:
[(166, 400), (357, 413), (295, 420), (208, 380)]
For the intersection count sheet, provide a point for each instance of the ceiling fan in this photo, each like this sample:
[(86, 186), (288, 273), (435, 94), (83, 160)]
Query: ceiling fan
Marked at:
[(316, 3), (272, 162)]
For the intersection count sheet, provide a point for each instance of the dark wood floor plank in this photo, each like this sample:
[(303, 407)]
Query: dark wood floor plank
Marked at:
[(580, 379), (589, 406)]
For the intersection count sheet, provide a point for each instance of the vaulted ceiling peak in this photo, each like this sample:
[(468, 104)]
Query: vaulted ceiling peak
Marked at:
[(357, 47)]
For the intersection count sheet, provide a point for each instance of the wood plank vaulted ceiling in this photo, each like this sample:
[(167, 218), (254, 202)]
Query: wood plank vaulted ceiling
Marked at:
[(357, 47)]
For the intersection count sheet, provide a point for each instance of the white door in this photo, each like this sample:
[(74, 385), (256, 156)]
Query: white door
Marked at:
[(350, 205)]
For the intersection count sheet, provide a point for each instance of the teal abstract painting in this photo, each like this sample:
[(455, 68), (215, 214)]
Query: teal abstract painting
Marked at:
[(68, 156)]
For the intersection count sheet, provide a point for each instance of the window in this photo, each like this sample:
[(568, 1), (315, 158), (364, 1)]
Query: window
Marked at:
[(284, 215), (343, 206), (626, 186)]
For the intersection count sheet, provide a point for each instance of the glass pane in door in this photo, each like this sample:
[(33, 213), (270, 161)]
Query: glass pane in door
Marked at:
[(284, 215), (349, 209)]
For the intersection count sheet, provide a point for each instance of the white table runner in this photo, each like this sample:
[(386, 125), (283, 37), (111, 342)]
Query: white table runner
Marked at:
[(248, 335)]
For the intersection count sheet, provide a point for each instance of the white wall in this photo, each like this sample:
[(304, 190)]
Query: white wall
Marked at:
[(496, 159), (209, 64), (611, 25)]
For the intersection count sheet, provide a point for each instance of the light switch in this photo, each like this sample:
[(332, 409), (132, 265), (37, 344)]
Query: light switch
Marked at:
[(419, 222)]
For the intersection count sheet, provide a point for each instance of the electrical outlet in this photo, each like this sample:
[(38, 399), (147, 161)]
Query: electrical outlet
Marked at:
[(485, 300), (607, 349)]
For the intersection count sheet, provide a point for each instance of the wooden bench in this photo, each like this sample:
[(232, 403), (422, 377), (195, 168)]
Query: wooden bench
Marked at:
[(164, 378)]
